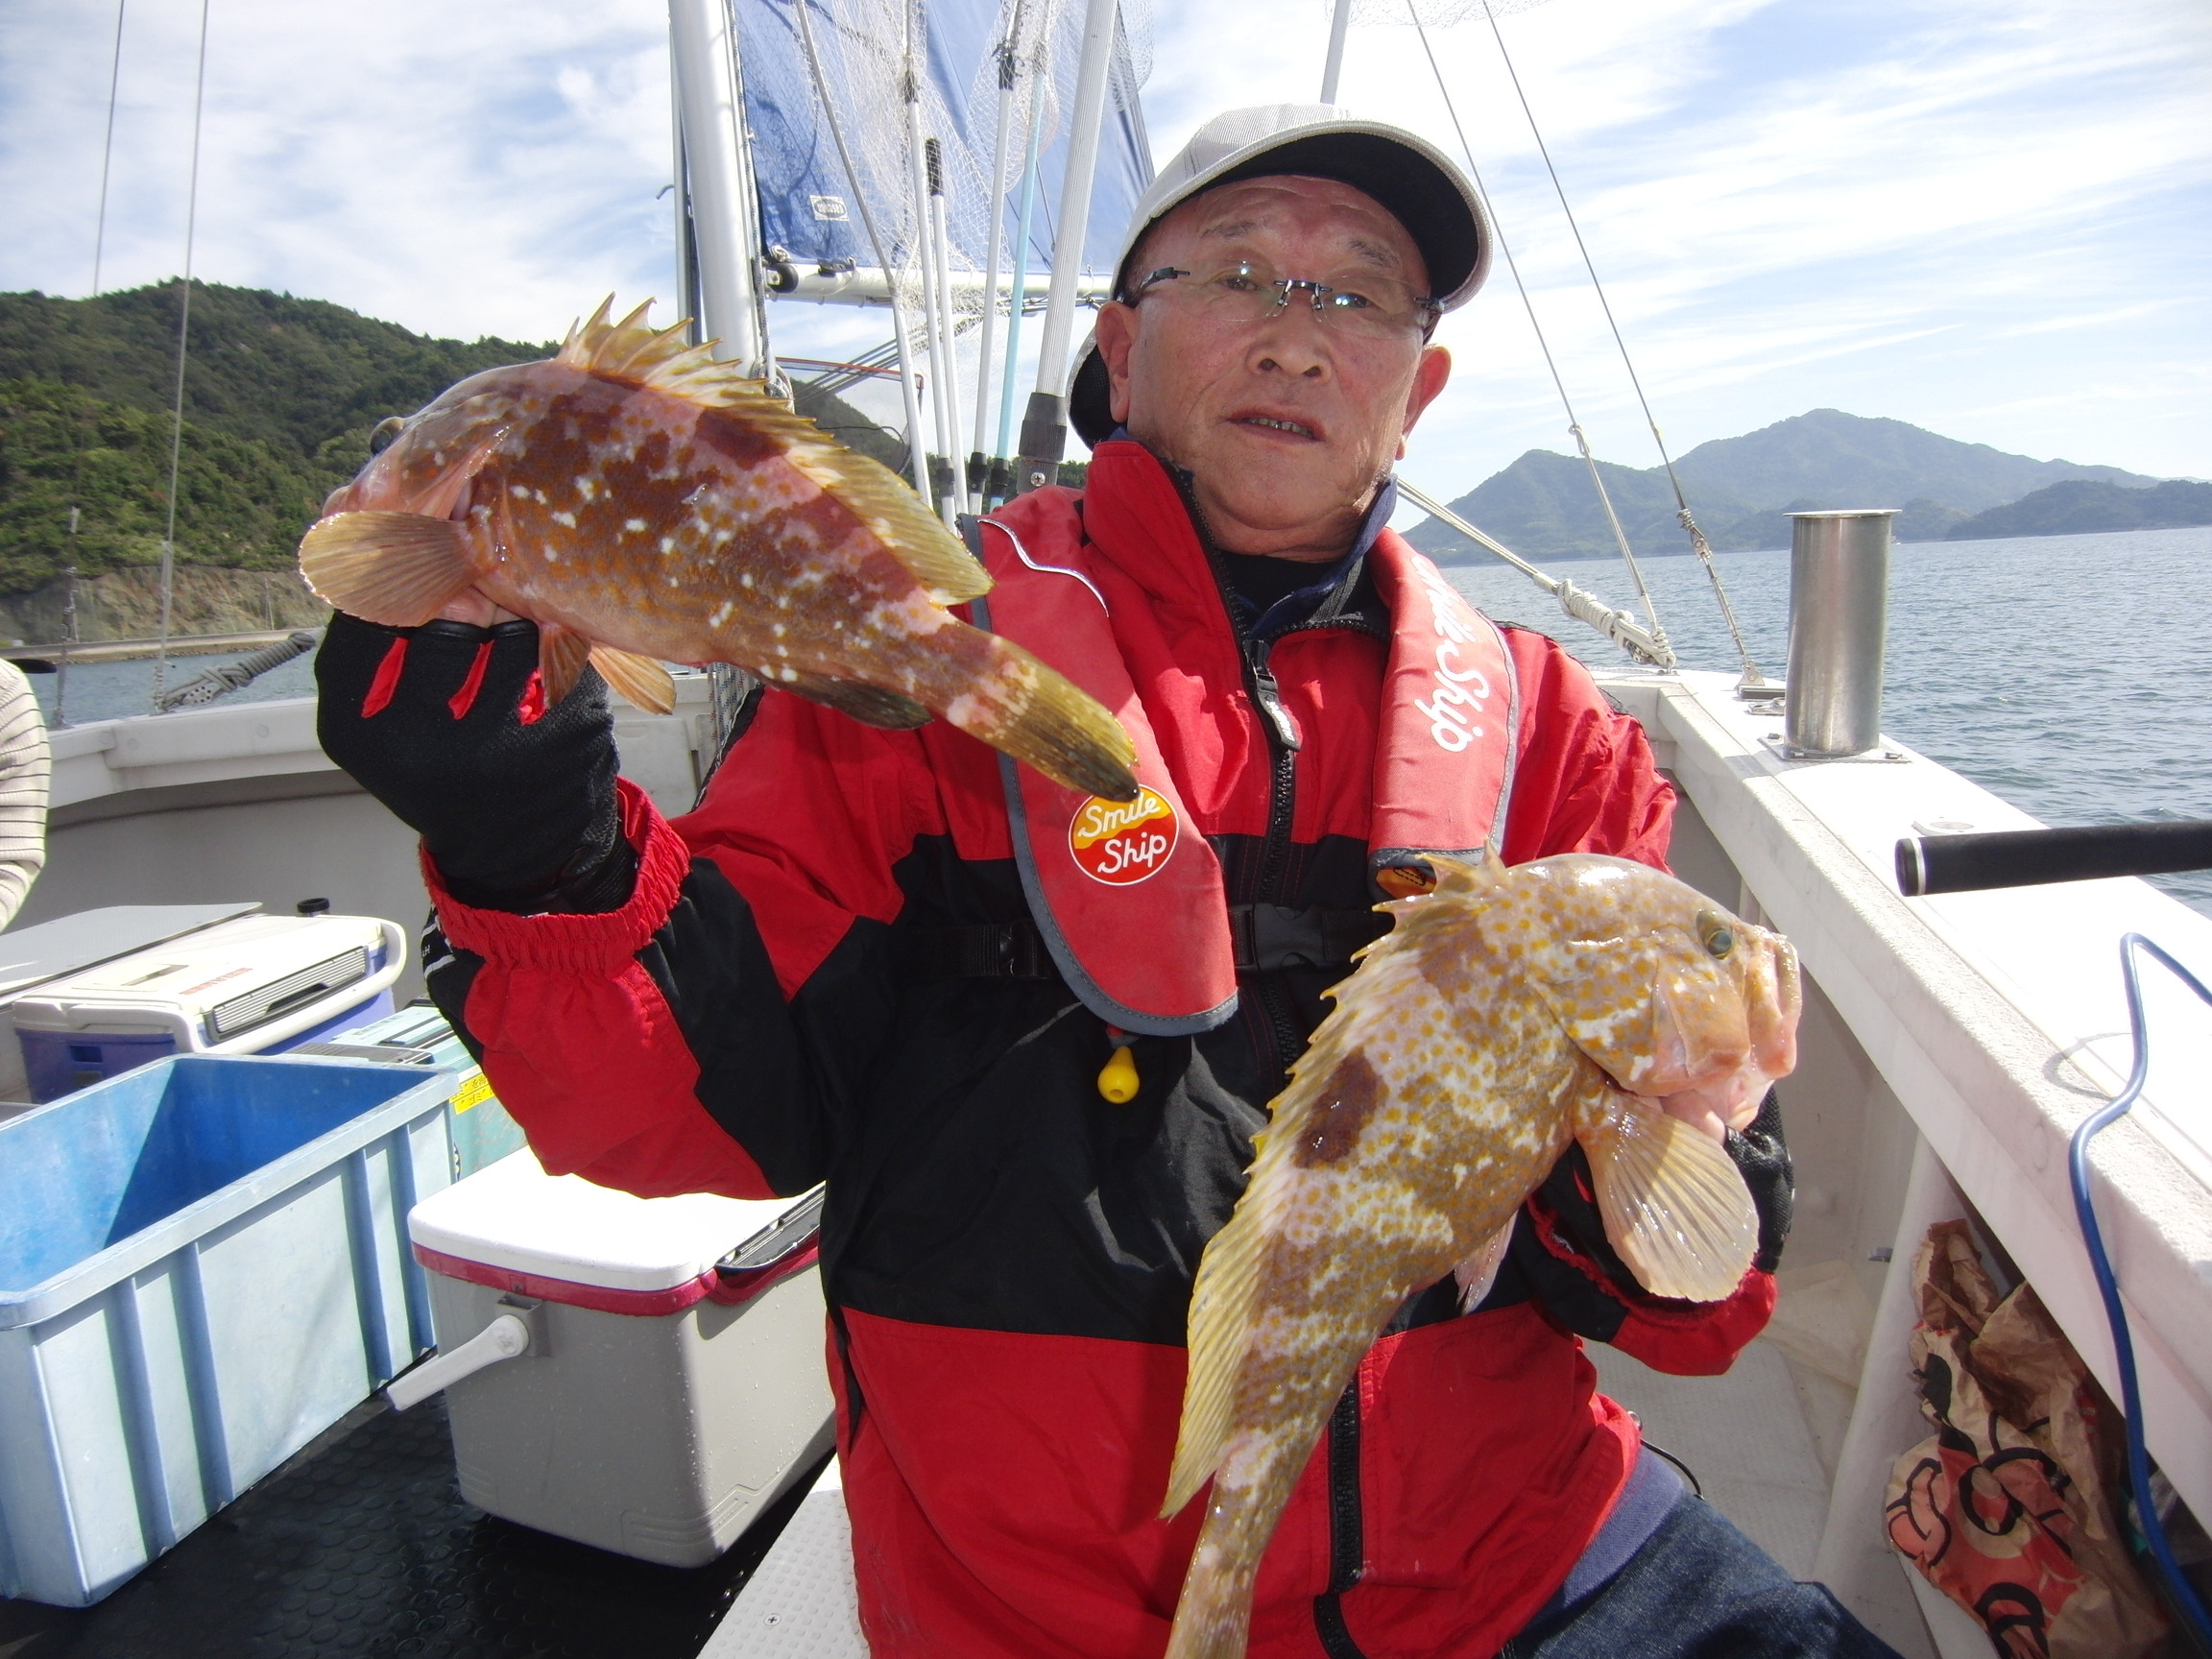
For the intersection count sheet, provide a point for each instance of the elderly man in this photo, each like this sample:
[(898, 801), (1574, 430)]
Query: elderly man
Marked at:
[(1026, 1039)]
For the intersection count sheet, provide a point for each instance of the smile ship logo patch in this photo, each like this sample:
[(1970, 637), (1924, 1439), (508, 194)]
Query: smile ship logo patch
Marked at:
[(1123, 842)]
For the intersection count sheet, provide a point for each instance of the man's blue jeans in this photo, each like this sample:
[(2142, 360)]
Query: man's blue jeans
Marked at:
[(1699, 1589)]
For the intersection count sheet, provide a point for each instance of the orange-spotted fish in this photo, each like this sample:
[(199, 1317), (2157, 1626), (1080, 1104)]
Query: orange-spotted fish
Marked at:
[(1506, 1013), (639, 500)]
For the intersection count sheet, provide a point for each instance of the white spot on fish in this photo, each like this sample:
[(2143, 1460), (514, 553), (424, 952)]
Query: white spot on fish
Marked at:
[(567, 518), (520, 491), (721, 614), (667, 542), (587, 487), (746, 580), (632, 526), (789, 674)]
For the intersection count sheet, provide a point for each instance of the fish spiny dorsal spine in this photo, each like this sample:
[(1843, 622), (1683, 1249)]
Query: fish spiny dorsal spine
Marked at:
[(662, 360)]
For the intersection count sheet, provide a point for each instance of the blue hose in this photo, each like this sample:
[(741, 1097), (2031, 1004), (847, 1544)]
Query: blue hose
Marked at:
[(2178, 1588)]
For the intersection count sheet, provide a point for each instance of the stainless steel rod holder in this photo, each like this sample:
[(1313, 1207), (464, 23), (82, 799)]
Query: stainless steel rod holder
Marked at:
[(1839, 620)]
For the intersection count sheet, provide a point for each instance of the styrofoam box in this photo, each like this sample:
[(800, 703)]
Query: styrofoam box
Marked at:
[(664, 1400), (203, 1265)]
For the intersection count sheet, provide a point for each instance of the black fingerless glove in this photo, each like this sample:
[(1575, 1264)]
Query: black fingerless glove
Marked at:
[(1763, 1159), (519, 814)]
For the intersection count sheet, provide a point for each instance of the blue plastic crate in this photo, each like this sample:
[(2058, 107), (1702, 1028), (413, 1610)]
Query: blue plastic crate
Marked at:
[(203, 1263)]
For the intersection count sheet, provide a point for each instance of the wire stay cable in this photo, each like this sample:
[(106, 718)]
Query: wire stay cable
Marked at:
[(1656, 633), (1688, 519), (184, 339), (1584, 607)]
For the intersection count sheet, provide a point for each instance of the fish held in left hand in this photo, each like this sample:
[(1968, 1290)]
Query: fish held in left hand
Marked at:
[(643, 503), (1508, 1013)]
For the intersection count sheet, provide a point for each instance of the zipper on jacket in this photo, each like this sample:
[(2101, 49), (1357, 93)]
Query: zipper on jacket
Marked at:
[(1347, 1529), (1282, 743)]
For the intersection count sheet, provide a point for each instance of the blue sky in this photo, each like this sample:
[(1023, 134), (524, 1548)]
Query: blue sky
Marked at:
[(1991, 218)]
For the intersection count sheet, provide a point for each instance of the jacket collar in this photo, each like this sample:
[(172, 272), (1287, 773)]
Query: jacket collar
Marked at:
[(1139, 514)]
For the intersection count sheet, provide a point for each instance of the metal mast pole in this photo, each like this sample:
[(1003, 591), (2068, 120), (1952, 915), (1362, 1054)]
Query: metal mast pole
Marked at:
[(980, 460), (717, 162), (1044, 428), (1339, 21), (1017, 294), (941, 240)]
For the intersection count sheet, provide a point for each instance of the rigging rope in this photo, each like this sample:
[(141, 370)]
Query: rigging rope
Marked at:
[(1697, 541), (183, 337), (1657, 635), (917, 451), (1584, 607), (77, 483)]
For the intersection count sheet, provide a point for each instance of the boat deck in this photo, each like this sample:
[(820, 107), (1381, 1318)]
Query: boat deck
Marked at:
[(360, 1545)]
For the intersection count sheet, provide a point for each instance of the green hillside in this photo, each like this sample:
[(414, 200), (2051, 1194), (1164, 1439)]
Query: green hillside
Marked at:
[(280, 395), (2079, 506), (279, 398)]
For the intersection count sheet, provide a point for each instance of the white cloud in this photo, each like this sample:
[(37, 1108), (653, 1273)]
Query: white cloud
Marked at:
[(1985, 216)]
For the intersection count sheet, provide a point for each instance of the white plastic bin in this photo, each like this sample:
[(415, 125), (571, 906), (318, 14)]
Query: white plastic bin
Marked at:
[(674, 1381), (256, 985), (202, 1267)]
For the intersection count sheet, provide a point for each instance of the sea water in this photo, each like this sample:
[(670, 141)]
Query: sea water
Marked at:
[(2068, 674)]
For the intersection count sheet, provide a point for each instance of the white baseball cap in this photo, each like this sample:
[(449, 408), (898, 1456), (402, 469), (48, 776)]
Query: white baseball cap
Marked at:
[(1409, 176)]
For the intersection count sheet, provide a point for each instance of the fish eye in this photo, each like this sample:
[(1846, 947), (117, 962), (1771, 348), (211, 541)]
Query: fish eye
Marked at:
[(1715, 935), (385, 430)]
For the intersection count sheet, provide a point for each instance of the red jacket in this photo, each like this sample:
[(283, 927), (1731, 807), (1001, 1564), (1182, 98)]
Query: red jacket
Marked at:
[(1009, 1256)]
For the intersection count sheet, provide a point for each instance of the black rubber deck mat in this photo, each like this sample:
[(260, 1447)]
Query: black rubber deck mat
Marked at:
[(360, 1546)]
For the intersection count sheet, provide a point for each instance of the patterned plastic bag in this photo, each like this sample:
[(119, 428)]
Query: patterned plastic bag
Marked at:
[(2009, 1508)]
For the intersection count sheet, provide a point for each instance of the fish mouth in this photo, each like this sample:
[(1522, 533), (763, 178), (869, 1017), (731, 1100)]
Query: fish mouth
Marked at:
[(1271, 420)]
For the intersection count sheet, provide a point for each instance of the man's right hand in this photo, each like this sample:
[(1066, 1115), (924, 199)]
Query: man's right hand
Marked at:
[(515, 805)]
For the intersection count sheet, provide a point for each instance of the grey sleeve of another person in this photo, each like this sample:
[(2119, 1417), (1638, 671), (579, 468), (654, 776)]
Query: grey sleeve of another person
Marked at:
[(24, 772)]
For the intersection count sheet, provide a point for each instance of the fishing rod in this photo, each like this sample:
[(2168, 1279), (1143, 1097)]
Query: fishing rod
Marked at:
[(2031, 857)]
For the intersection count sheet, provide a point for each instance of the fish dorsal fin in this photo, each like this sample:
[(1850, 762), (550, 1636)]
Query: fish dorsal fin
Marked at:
[(643, 682), (632, 349), (393, 568), (1675, 1207), (663, 360)]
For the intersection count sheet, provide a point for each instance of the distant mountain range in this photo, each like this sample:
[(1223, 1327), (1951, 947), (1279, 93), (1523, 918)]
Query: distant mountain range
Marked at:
[(1742, 488)]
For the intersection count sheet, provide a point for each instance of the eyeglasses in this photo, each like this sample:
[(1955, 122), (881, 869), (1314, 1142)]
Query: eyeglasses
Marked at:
[(1252, 291)]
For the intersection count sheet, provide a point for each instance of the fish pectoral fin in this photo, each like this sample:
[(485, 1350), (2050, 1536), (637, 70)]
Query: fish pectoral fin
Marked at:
[(393, 568), (1675, 1206), (1480, 1270), (562, 656), (643, 682), (869, 705)]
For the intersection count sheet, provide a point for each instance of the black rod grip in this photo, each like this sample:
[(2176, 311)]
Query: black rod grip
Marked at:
[(2031, 857)]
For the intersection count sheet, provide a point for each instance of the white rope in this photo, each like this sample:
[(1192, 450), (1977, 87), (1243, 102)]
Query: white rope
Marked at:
[(1642, 644)]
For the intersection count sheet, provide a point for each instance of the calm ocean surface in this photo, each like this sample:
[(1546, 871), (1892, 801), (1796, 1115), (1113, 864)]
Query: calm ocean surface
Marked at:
[(2068, 674)]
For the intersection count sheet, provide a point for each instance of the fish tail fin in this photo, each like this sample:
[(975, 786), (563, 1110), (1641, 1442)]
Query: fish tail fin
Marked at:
[(394, 568), (1025, 710), (643, 682), (1675, 1205)]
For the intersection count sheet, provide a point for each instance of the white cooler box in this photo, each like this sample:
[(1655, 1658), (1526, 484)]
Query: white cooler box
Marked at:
[(256, 985), (640, 1374)]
